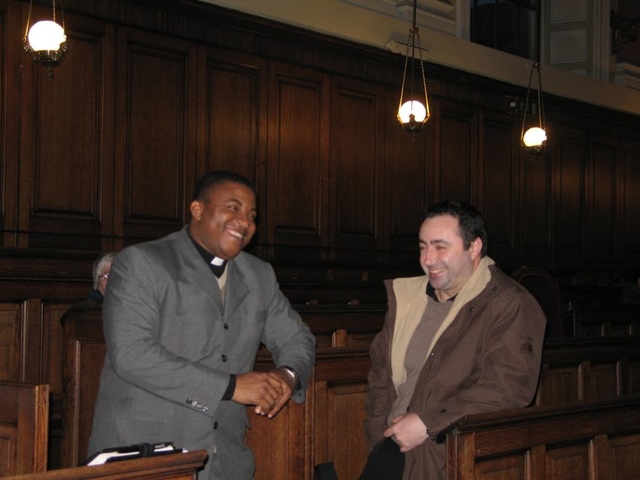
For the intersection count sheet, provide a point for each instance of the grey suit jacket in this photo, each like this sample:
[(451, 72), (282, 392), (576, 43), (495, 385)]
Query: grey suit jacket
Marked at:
[(172, 345)]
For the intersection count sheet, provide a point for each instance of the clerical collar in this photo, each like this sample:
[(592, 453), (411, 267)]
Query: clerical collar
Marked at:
[(431, 292), (216, 264)]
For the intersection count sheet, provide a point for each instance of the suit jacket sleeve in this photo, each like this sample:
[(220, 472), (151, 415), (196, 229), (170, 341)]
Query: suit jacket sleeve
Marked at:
[(288, 338)]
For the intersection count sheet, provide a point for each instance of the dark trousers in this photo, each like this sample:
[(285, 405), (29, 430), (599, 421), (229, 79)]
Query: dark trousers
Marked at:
[(385, 462)]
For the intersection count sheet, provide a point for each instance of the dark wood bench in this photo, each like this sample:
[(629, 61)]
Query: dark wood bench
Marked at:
[(329, 424), (588, 369), (592, 320), (24, 427), (594, 440)]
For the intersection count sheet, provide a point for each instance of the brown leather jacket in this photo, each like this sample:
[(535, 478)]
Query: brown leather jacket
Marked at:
[(488, 359)]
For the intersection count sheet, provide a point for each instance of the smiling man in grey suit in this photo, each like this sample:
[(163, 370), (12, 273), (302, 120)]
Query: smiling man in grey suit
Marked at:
[(184, 317)]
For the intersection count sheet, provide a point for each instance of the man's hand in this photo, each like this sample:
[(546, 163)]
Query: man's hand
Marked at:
[(268, 391), (408, 431)]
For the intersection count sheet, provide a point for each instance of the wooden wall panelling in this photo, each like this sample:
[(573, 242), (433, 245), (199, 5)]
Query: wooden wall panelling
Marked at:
[(10, 336), (84, 352), (232, 125), (576, 370), (52, 361), (31, 340), (498, 183), (73, 134), (155, 133), (456, 151), (32, 343), (408, 182), (26, 341), (339, 390), (602, 178), (62, 275), (567, 461), (356, 169), (11, 32), (4, 195), (630, 377), (629, 187), (560, 384), (624, 460), (570, 155), (52, 312), (506, 467), (297, 165), (604, 380), (233, 121), (281, 444), (66, 141)]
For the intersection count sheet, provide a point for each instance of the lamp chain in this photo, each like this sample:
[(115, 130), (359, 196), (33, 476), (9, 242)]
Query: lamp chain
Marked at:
[(26, 30), (534, 67), (424, 78), (540, 109)]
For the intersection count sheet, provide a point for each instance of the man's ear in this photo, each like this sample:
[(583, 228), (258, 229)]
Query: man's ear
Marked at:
[(476, 247), (196, 209)]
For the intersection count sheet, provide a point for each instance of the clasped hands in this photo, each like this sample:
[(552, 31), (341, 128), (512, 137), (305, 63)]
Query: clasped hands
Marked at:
[(268, 391), (408, 431)]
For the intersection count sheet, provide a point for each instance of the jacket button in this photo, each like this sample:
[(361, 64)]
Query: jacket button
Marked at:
[(224, 358), (215, 425), (226, 326)]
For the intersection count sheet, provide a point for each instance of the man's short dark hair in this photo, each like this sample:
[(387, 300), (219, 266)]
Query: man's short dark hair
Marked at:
[(470, 221), (217, 177)]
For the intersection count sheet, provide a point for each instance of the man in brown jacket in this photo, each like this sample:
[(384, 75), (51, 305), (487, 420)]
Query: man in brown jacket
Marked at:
[(462, 339)]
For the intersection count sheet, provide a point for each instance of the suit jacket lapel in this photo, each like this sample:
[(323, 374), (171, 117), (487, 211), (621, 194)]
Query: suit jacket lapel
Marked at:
[(237, 289), (197, 270)]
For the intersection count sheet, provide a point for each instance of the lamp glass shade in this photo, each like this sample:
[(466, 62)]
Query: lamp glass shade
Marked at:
[(414, 108), (46, 35), (534, 137)]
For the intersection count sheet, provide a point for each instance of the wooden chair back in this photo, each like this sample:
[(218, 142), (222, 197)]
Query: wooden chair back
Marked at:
[(24, 428)]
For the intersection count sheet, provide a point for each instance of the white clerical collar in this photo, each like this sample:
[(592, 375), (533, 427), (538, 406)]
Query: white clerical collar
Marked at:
[(217, 261)]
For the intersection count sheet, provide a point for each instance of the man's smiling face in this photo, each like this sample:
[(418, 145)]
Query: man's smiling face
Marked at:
[(224, 223), (443, 257)]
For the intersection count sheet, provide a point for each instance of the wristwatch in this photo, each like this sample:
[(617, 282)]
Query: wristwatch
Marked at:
[(294, 376)]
